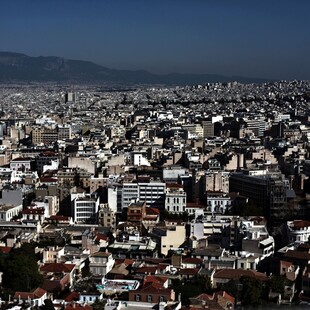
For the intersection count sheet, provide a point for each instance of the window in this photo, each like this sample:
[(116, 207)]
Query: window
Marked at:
[(161, 298), (138, 297), (149, 298)]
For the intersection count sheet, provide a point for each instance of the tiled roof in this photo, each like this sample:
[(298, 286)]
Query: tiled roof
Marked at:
[(33, 211), (301, 223), (57, 267), (101, 254), (153, 288), (145, 270), (155, 279), (37, 293), (236, 274), (152, 211), (72, 296), (293, 254), (188, 271), (192, 260)]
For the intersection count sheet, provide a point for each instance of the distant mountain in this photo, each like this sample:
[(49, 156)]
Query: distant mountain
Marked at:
[(16, 67)]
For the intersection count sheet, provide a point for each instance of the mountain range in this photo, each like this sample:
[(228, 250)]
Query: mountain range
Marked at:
[(17, 67)]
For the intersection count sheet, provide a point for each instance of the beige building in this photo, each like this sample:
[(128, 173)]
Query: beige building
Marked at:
[(170, 236), (217, 181), (37, 134), (86, 163), (95, 183), (106, 216), (73, 177)]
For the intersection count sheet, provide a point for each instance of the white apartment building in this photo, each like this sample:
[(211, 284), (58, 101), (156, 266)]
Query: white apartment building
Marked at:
[(139, 159), (152, 193), (101, 263), (218, 203), (175, 200), (298, 230), (7, 212), (85, 208)]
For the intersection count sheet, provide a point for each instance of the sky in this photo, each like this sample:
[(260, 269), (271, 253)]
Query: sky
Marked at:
[(250, 38)]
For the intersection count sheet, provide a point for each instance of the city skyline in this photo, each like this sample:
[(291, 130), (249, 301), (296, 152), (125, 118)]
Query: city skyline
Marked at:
[(258, 39)]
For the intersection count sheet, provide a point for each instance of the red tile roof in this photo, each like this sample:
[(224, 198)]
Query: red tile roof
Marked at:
[(301, 223), (192, 260), (146, 270), (236, 274), (188, 271), (155, 279), (173, 185), (57, 267), (153, 288), (72, 296), (152, 211), (59, 218), (101, 237), (101, 254), (33, 211), (37, 293), (293, 254), (48, 180)]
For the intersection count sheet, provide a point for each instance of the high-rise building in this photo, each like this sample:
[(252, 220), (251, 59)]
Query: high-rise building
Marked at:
[(208, 128), (70, 97), (265, 191)]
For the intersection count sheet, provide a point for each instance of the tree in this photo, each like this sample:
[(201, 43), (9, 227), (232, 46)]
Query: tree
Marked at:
[(252, 290), (99, 305), (48, 305), (20, 271), (277, 284), (231, 288)]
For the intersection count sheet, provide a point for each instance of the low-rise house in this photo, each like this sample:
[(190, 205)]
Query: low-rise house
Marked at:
[(219, 300), (101, 263), (90, 297), (299, 258), (223, 276), (298, 230), (289, 270), (152, 292), (144, 247), (34, 213), (35, 298), (57, 277), (53, 254)]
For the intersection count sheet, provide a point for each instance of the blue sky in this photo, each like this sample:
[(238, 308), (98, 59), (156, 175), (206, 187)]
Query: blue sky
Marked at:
[(254, 38)]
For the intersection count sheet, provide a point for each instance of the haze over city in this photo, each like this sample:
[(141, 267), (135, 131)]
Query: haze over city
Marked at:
[(267, 39)]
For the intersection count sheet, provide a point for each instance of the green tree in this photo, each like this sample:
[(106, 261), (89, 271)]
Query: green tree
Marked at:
[(99, 305), (252, 290), (231, 288), (277, 283), (21, 270)]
